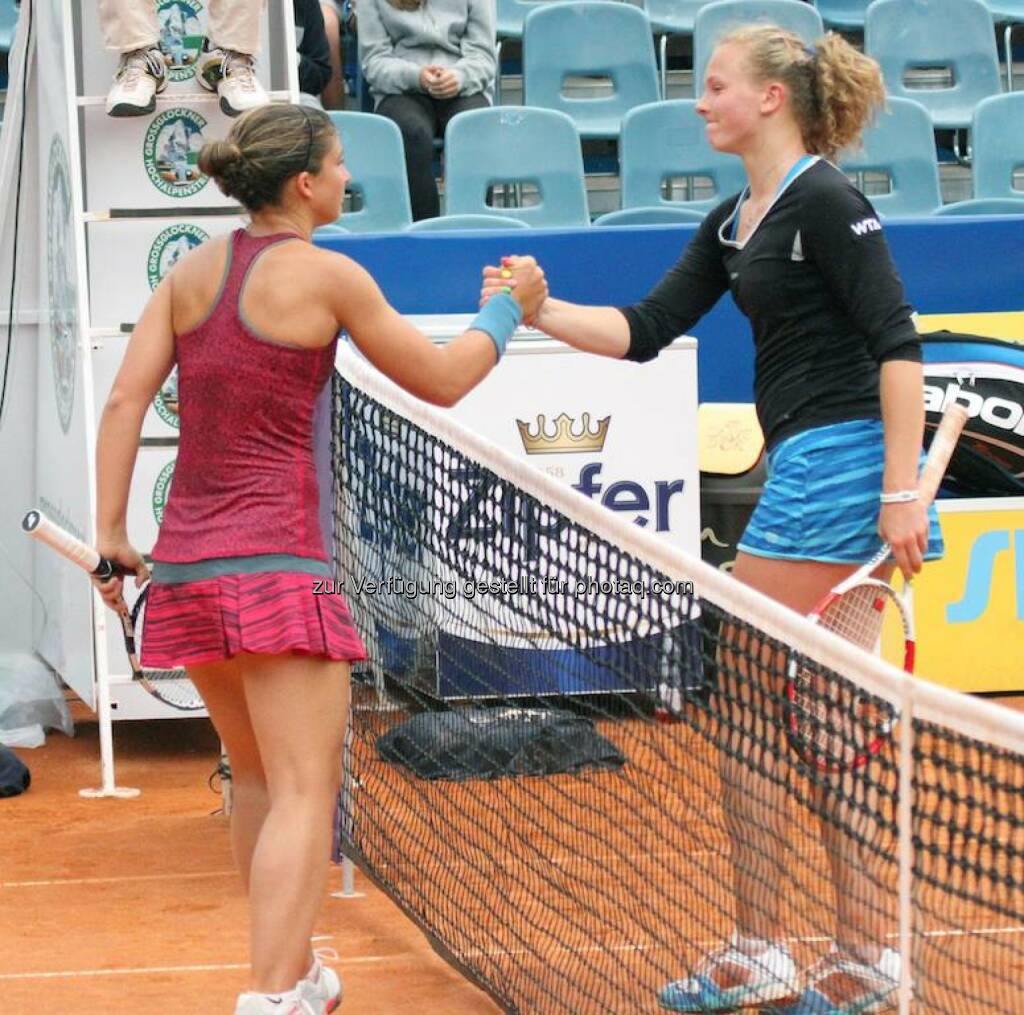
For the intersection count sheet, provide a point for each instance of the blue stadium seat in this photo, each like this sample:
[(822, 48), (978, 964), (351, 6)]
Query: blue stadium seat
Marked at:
[(998, 138), (332, 229), (452, 223), (1009, 14), (717, 18), (671, 17), (985, 206), (906, 34), (506, 145), (660, 216), (845, 15), (667, 139), (375, 156), (901, 143), (8, 24), (592, 38)]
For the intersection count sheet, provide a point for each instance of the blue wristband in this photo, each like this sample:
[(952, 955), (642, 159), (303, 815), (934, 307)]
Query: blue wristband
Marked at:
[(500, 317)]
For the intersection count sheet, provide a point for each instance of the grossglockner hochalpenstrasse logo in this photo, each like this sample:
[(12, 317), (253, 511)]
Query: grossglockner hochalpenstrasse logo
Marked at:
[(171, 152), (169, 247), (181, 36), (161, 491), (62, 292)]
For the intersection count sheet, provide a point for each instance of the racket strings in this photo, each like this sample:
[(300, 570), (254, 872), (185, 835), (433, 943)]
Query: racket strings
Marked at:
[(171, 686), (842, 723)]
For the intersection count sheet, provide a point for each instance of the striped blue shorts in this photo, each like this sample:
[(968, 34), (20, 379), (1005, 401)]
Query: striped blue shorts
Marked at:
[(821, 498)]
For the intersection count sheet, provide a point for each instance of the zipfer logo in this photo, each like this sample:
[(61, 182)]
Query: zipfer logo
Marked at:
[(981, 563)]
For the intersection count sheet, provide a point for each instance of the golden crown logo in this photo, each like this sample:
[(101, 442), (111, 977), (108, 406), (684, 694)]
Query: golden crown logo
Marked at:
[(564, 441)]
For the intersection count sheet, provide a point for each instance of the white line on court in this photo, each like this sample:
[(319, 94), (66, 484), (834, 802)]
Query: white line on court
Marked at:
[(808, 939), (62, 882), (70, 974)]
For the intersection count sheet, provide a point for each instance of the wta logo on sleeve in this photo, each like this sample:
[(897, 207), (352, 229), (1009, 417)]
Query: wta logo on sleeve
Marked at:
[(865, 226)]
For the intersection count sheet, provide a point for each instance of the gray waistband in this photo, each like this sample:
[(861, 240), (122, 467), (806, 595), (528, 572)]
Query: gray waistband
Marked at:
[(216, 567)]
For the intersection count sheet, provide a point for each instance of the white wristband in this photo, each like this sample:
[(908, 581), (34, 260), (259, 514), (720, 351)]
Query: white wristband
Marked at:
[(899, 497)]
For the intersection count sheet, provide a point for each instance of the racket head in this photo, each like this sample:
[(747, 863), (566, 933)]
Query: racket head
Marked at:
[(834, 724), (171, 686)]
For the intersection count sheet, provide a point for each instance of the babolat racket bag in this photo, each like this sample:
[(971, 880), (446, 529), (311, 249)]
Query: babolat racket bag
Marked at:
[(986, 376)]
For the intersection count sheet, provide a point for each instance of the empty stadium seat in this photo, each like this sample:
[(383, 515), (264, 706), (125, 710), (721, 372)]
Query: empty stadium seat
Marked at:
[(715, 19), (985, 206), (845, 15), (671, 17), (656, 215), (8, 24), (375, 156), (908, 35), (516, 145), (900, 143), (589, 38), (998, 138), (665, 140), (453, 223), (1009, 14)]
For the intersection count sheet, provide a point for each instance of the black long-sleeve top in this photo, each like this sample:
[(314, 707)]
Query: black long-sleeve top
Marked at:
[(819, 286), (314, 51)]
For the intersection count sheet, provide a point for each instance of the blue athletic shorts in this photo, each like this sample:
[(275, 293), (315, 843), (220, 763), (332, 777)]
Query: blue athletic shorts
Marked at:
[(821, 498)]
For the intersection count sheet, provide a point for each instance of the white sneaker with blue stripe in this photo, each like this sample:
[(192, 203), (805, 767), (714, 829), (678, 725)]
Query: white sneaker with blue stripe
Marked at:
[(840, 985), (732, 977)]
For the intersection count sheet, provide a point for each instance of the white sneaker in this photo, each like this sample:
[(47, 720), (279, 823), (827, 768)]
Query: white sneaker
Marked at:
[(321, 987), (730, 978), (141, 76), (287, 1003), (232, 76)]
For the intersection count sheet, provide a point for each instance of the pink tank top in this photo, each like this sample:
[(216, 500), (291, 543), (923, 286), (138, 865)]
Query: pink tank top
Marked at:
[(245, 481)]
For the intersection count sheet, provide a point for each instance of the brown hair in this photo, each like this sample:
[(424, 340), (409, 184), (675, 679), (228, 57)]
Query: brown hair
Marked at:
[(265, 147), (834, 89)]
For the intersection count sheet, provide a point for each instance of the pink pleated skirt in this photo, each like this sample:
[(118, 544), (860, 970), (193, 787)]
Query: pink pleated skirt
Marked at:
[(270, 613)]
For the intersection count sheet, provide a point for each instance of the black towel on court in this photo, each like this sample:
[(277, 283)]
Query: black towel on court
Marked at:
[(479, 743), (14, 775)]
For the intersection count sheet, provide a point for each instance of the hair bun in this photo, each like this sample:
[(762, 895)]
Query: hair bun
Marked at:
[(219, 157)]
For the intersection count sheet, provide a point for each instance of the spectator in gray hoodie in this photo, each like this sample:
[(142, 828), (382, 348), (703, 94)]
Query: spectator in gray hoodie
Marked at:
[(425, 61)]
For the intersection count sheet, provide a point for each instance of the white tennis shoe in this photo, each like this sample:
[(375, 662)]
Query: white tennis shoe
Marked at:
[(731, 978), (288, 1002), (232, 76), (321, 987)]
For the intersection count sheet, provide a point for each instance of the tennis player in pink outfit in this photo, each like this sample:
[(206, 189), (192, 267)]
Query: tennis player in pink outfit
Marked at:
[(251, 322)]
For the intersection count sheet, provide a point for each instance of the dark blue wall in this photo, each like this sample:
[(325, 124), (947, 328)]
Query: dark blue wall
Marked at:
[(954, 265)]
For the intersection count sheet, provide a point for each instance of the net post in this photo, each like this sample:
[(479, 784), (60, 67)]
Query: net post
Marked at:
[(905, 822), (105, 717)]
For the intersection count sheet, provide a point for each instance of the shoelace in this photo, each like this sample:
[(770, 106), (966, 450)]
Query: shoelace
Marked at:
[(868, 977), (239, 67), (137, 63)]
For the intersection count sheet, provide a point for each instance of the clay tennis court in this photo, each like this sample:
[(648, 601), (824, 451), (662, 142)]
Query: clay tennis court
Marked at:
[(113, 905)]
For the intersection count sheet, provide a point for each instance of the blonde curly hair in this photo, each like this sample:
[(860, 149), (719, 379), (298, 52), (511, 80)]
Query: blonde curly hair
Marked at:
[(834, 89)]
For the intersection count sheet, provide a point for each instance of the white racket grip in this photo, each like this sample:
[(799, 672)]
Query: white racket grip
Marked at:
[(38, 526), (946, 435)]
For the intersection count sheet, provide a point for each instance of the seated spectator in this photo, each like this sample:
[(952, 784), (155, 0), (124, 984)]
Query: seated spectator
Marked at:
[(314, 51), (425, 61), (333, 95), (135, 29)]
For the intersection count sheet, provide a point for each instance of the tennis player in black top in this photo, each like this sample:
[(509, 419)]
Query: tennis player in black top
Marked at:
[(838, 388)]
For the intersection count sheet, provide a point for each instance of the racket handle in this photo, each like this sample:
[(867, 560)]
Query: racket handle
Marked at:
[(946, 435), (38, 526)]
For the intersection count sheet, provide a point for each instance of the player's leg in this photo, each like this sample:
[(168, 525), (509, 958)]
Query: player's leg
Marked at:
[(223, 692), (757, 965), (298, 706)]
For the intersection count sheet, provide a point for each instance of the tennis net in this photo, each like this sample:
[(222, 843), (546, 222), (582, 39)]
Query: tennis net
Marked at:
[(569, 756)]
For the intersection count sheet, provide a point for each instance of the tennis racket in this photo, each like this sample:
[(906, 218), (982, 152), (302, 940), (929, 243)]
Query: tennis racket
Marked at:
[(834, 725), (172, 687)]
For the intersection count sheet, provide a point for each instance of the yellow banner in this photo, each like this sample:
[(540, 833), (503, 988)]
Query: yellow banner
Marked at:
[(969, 606)]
